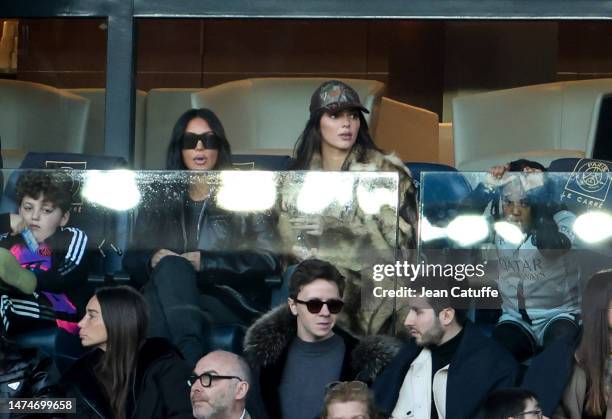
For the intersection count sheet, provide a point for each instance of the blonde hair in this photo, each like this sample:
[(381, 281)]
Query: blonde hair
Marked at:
[(349, 391)]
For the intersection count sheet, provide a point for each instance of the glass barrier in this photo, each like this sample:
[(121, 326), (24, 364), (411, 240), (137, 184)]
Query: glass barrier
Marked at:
[(525, 242), (241, 231)]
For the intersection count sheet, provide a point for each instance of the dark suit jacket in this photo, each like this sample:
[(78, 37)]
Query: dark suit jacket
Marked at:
[(479, 366)]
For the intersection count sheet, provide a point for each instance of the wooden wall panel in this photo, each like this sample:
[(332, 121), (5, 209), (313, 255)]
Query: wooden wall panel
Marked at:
[(416, 64), (270, 47), (584, 50), (169, 53), (423, 63), (62, 52), (65, 79)]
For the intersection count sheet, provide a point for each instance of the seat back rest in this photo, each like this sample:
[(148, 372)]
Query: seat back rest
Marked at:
[(260, 162), (540, 122), (252, 110), (34, 116), (600, 141)]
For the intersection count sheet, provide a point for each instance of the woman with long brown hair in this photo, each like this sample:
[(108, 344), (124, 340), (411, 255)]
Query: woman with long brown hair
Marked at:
[(336, 138), (125, 375), (588, 393)]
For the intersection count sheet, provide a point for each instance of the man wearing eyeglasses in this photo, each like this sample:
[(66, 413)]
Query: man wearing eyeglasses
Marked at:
[(512, 403), (448, 367), (296, 350), (219, 385)]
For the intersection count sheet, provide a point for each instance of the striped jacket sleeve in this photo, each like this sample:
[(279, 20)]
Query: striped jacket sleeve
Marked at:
[(69, 261)]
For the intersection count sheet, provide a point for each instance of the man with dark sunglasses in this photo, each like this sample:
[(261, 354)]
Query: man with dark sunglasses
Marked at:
[(297, 349), (219, 385)]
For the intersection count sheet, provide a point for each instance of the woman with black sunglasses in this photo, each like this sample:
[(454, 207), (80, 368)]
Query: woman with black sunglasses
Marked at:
[(125, 375), (190, 254)]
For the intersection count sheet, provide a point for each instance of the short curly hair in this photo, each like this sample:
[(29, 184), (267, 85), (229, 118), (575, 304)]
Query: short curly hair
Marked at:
[(55, 187)]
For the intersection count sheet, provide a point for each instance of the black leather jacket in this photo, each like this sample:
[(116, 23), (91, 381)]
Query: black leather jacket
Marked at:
[(237, 249)]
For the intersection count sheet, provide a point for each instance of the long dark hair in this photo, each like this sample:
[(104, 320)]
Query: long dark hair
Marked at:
[(309, 141), (593, 351), (174, 157), (125, 316)]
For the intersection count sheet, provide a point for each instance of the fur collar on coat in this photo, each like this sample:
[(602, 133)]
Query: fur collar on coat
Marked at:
[(269, 337)]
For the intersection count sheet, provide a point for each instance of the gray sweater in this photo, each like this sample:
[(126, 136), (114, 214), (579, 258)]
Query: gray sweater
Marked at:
[(309, 368)]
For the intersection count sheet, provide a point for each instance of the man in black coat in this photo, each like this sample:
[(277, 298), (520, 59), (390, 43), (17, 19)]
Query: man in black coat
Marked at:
[(448, 366)]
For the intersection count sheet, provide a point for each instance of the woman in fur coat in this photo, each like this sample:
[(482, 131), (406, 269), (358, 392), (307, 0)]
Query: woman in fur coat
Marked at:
[(336, 138)]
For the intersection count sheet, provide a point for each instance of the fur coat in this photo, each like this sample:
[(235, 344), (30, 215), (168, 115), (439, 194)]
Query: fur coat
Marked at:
[(354, 239), (266, 345)]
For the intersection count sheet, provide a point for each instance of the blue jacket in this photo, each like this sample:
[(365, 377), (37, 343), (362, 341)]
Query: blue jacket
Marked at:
[(479, 366)]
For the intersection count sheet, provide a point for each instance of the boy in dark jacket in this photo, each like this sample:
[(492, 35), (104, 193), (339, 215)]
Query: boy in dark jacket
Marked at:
[(42, 262)]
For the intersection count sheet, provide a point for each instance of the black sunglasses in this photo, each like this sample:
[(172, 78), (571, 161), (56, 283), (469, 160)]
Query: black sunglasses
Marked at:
[(209, 139), (206, 379), (315, 306)]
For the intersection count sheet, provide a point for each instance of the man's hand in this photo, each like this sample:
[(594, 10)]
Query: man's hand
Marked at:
[(194, 259), (160, 254), (17, 224)]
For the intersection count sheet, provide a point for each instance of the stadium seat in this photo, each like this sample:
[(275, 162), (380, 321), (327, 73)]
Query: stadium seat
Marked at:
[(269, 113), (540, 122), (36, 117)]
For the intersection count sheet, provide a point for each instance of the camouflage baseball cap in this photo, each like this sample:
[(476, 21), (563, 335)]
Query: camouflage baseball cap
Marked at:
[(334, 96)]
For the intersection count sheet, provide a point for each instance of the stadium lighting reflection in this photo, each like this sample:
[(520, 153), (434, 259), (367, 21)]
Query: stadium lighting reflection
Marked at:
[(372, 199), (430, 232), (593, 226), (509, 232), (114, 189), (467, 230), (322, 189), (247, 191)]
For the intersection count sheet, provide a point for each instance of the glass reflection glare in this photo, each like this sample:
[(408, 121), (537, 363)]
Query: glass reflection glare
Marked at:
[(371, 198), (114, 189), (593, 226), (430, 232), (510, 232), (322, 189), (467, 230), (247, 191)]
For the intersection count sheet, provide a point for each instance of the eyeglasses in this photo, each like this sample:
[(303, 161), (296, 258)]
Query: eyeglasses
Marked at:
[(206, 379), (346, 385), (538, 413), (209, 139), (315, 306)]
